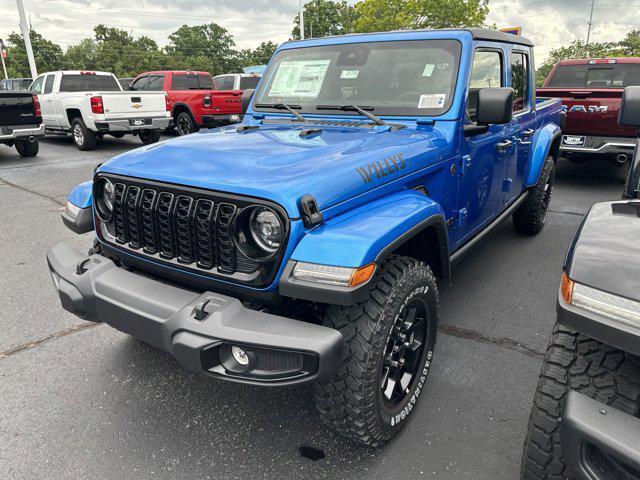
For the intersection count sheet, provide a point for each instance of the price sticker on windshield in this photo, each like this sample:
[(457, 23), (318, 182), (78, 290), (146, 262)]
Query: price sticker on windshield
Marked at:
[(299, 78), (434, 100)]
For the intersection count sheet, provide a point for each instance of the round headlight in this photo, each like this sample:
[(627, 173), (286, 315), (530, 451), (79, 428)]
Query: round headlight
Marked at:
[(266, 229), (104, 199)]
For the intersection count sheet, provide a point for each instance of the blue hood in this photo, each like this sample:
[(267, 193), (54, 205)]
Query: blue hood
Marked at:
[(276, 163)]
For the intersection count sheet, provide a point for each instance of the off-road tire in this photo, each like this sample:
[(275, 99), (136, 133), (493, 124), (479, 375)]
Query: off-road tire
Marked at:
[(529, 217), (27, 149), (351, 400), (149, 136), (184, 124), (574, 362), (83, 138)]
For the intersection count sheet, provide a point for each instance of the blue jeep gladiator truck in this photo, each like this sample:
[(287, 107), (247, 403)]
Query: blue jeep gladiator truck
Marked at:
[(304, 244)]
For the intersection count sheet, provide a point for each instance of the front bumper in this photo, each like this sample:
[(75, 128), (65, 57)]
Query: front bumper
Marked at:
[(198, 329), (13, 133), (594, 145), (125, 124), (598, 441)]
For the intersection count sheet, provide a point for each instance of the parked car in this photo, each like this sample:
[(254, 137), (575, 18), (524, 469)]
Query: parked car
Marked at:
[(591, 90), (15, 83), (303, 245), (125, 82), (20, 122), (90, 105), (584, 423), (236, 81), (194, 101)]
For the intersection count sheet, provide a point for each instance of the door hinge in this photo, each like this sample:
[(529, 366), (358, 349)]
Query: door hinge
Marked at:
[(465, 163), (506, 184), (460, 216)]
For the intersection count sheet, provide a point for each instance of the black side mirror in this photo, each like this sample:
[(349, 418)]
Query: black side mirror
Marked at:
[(495, 106), (247, 95), (629, 114)]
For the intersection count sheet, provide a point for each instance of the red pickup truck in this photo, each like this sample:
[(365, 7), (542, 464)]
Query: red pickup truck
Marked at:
[(194, 100), (591, 91)]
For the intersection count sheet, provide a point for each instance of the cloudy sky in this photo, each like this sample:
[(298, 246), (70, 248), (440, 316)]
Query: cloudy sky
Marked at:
[(549, 23)]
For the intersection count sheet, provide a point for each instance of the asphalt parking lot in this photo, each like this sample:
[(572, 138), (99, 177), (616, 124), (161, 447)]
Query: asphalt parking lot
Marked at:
[(81, 400)]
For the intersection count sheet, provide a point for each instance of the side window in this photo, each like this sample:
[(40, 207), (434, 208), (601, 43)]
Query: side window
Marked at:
[(37, 85), (229, 82), (156, 83), (48, 84), (486, 72), (218, 82), (520, 81), (139, 84)]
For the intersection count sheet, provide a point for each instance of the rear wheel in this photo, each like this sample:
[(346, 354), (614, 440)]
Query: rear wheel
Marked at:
[(185, 124), (149, 136), (389, 342), (574, 362), (529, 218), (83, 138), (26, 148)]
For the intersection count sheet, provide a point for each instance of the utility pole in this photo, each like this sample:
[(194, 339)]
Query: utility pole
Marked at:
[(301, 14), (27, 40), (590, 22)]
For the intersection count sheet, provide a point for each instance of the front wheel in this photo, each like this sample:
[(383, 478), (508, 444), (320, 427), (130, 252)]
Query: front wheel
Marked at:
[(529, 217), (149, 136), (26, 148), (389, 342), (574, 362)]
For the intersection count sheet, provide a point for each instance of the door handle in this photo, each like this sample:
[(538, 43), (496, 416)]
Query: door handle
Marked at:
[(528, 132), (504, 145)]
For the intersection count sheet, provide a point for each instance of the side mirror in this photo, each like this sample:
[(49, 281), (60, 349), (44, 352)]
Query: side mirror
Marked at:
[(495, 106), (247, 95), (629, 114)]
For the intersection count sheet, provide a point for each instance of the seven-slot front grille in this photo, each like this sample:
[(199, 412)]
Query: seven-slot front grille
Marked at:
[(186, 226)]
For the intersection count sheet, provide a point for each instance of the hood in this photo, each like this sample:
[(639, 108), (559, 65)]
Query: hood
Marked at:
[(604, 251), (282, 163)]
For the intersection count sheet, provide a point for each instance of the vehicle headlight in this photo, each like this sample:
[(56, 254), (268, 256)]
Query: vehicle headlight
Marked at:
[(603, 303), (259, 232), (104, 199)]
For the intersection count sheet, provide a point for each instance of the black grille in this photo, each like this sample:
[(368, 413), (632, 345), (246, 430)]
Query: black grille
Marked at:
[(187, 227), (272, 361)]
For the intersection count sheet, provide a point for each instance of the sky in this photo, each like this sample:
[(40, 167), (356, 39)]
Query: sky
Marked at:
[(548, 23)]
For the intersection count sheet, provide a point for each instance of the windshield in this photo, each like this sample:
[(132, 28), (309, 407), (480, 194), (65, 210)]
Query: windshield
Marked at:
[(596, 76), (390, 78)]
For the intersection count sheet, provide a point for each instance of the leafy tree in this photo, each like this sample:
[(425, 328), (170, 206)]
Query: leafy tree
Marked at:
[(323, 18), (631, 44), (48, 55), (258, 56), (206, 47), (383, 15)]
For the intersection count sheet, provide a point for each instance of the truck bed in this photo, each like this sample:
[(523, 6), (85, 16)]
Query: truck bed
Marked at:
[(16, 108)]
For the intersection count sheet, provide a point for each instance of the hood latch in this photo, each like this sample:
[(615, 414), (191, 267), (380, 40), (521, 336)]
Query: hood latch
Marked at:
[(309, 211)]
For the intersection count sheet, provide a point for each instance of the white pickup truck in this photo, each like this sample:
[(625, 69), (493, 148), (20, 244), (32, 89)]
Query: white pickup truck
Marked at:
[(236, 81), (90, 105)]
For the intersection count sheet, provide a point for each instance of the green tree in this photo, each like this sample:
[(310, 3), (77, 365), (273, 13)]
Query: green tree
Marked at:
[(48, 55), (323, 18), (385, 15), (257, 56), (631, 44), (206, 47)]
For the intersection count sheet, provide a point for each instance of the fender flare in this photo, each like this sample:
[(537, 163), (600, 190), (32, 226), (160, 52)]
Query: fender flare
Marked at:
[(543, 141), (364, 235), (185, 105), (82, 195)]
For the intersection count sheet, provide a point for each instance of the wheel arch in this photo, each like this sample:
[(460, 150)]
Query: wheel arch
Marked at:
[(545, 143), (72, 114), (180, 107)]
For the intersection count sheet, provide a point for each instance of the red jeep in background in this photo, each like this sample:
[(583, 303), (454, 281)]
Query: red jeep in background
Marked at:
[(195, 101), (591, 91)]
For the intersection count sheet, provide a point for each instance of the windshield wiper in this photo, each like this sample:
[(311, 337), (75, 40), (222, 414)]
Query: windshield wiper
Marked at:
[(354, 108), (283, 106)]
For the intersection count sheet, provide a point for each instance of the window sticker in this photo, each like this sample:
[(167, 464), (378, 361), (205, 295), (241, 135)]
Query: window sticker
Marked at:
[(434, 100), (299, 78), (428, 70), (349, 73)]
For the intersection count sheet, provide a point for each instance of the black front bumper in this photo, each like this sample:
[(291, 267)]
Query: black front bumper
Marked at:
[(598, 441), (198, 329)]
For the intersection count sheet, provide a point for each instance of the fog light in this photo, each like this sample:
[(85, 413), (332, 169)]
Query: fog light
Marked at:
[(240, 355)]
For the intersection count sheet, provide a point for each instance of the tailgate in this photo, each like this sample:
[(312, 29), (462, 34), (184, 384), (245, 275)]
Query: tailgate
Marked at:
[(590, 111), (134, 104), (226, 102), (16, 108)]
